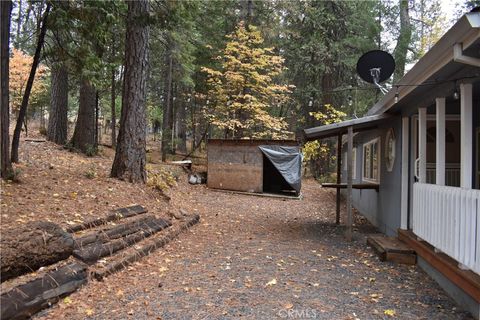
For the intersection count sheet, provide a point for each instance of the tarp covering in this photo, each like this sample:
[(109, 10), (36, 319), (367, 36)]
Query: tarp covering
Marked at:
[(288, 161)]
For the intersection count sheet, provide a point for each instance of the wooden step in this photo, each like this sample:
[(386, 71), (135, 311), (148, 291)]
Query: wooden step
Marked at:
[(392, 249)]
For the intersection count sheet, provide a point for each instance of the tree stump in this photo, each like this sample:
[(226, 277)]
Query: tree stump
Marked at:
[(37, 244)]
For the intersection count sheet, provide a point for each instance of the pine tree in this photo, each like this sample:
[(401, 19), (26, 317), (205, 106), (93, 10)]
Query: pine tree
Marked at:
[(244, 92), (130, 156), (5, 15)]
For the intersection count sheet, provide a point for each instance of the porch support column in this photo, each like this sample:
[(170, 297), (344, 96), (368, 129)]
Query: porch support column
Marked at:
[(339, 175), (405, 153), (440, 148), (422, 145), (466, 135), (349, 184)]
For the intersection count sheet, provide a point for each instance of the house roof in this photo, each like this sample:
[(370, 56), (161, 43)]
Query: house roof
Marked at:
[(437, 64), (335, 129), (434, 71)]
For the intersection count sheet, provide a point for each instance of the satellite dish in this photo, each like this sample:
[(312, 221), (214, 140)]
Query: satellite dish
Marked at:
[(375, 67)]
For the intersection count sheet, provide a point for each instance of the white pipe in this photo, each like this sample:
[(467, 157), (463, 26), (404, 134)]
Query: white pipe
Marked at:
[(458, 56)]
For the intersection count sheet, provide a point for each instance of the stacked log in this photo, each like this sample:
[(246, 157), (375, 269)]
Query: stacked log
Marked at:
[(99, 245), (25, 300), (118, 214)]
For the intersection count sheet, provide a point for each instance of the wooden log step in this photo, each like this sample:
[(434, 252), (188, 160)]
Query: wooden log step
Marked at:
[(95, 251), (25, 300), (108, 234), (117, 214), (138, 253), (392, 249)]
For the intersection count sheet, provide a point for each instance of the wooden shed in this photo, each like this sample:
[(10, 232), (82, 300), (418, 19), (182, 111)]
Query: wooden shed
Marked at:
[(241, 165)]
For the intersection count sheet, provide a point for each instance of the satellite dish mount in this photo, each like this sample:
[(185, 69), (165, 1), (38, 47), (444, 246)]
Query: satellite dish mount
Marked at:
[(375, 67)]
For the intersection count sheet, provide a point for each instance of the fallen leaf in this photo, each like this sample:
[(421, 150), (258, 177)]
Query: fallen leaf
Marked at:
[(288, 305), (67, 300), (389, 312), (271, 282), (163, 269)]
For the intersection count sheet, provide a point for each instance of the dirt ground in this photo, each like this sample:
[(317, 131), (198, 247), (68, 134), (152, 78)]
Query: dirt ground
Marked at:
[(67, 188), (250, 257)]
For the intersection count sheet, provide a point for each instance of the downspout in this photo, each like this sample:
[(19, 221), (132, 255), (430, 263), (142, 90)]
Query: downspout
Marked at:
[(459, 57)]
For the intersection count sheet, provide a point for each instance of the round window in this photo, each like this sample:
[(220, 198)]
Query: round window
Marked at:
[(390, 149)]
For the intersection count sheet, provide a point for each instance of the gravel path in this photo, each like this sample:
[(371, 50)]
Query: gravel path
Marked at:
[(261, 258)]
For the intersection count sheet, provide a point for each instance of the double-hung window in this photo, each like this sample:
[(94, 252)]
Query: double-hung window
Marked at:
[(371, 161)]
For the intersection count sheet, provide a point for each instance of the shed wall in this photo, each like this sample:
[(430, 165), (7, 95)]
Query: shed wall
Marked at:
[(237, 165)]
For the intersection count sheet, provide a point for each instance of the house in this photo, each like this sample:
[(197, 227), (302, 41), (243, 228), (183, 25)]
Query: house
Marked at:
[(415, 161), (255, 166)]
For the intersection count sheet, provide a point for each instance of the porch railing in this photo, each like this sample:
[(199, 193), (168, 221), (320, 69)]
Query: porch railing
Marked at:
[(452, 174), (449, 219)]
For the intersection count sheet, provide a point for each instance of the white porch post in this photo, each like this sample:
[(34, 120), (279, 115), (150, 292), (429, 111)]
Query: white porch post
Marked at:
[(440, 148), (422, 145), (466, 127), (404, 196)]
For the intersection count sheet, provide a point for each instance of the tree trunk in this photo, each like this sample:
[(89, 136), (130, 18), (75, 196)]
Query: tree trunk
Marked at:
[(130, 155), (113, 111), (19, 24), (173, 115), (182, 127), (27, 16), (36, 245), (5, 164), (97, 111), (248, 12), (403, 41), (57, 119), (28, 88), (84, 134), (166, 124), (194, 125)]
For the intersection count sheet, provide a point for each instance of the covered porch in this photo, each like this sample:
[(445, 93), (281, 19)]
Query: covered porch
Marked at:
[(445, 200)]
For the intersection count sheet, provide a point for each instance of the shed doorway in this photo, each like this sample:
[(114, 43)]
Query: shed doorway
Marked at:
[(274, 182)]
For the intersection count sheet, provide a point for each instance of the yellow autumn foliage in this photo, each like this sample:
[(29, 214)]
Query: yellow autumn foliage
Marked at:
[(20, 65), (246, 97)]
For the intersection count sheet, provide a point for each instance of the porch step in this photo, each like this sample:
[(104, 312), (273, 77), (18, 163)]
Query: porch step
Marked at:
[(392, 249)]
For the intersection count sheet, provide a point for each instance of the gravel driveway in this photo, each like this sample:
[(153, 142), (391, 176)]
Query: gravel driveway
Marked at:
[(261, 258)]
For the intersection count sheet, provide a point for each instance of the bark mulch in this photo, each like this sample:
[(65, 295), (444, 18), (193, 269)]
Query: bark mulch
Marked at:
[(261, 258)]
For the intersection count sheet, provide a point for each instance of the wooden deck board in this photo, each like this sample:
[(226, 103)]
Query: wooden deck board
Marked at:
[(467, 280), (392, 249)]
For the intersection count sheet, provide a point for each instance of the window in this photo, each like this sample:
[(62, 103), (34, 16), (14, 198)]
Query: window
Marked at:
[(354, 163), (371, 161)]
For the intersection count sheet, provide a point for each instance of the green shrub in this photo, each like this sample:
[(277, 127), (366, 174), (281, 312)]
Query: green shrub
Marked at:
[(91, 150), (91, 173)]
